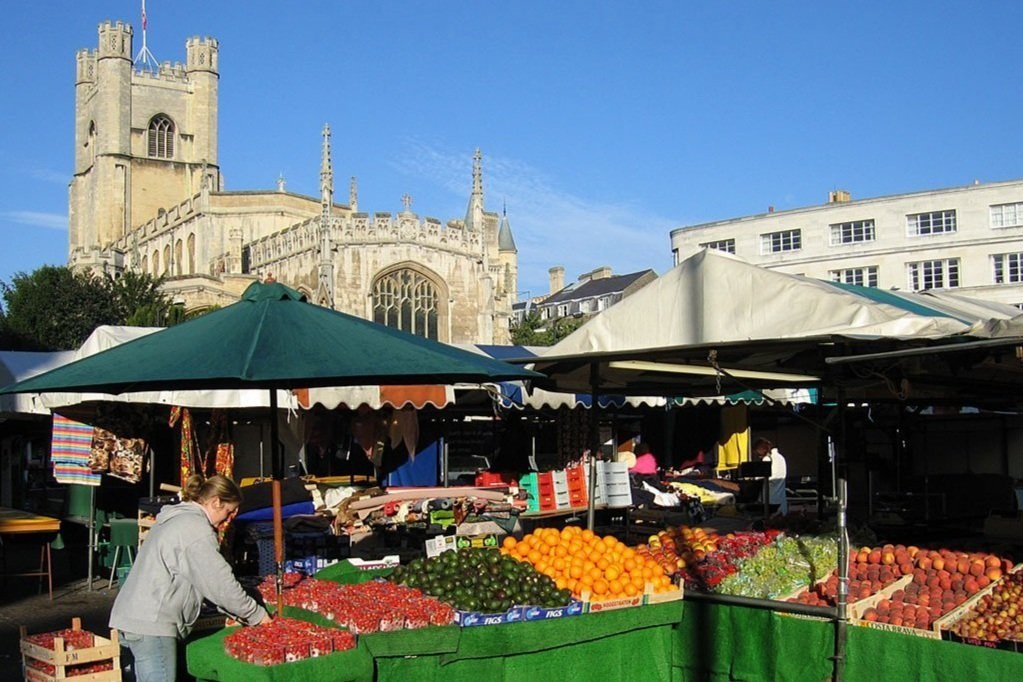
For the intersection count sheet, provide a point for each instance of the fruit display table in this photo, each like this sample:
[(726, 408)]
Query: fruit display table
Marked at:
[(612, 644), (600, 646), (715, 641)]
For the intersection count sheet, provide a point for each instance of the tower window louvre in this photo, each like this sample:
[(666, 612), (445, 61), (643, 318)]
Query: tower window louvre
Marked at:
[(161, 137)]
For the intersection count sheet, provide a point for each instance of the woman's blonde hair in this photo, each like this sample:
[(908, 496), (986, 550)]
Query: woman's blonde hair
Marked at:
[(197, 489)]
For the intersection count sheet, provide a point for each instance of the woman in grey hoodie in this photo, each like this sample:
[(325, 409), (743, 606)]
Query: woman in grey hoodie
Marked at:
[(178, 566)]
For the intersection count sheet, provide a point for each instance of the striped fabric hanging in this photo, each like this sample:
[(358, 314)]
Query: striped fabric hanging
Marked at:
[(70, 447)]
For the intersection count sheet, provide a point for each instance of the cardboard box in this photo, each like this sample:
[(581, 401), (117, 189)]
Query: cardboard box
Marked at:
[(943, 626), (857, 608), (574, 608), (610, 604), (467, 619), (389, 561)]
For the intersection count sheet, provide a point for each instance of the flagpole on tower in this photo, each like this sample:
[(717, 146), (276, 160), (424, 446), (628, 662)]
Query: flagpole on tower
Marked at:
[(145, 60)]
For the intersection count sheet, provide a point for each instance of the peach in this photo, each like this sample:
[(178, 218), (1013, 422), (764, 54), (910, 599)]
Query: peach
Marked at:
[(993, 574), (977, 567), (937, 562), (875, 556), (992, 561), (924, 563)]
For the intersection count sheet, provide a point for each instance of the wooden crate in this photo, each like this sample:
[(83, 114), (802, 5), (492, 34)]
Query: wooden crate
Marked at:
[(104, 649)]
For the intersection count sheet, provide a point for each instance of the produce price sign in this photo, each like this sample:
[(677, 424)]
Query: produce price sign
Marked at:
[(284, 640), (452, 543)]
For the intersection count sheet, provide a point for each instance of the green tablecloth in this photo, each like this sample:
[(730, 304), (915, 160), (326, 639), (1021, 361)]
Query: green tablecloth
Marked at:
[(615, 645), (715, 642), (610, 645)]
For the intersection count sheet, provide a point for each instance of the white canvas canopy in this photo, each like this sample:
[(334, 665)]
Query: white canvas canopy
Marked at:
[(715, 297), (19, 365), (715, 311)]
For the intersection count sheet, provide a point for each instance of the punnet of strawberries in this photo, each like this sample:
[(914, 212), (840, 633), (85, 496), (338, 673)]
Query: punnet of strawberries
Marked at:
[(285, 640), (375, 606), (73, 639)]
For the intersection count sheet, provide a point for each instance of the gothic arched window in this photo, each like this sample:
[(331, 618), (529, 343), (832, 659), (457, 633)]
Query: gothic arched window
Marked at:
[(191, 253), (156, 264), (179, 253), (161, 137), (166, 261), (408, 300)]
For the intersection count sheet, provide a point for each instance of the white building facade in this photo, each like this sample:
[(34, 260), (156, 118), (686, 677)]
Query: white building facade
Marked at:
[(967, 240)]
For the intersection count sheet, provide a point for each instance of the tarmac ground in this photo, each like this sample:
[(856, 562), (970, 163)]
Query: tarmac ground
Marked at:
[(25, 601)]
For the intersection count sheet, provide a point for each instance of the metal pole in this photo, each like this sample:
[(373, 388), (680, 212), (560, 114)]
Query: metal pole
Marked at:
[(842, 621), (594, 444), (444, 465), (92, 531)]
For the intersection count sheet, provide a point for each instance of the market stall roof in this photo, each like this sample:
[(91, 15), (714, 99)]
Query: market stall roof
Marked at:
[(19, 365), (271, 338), (715, 324)]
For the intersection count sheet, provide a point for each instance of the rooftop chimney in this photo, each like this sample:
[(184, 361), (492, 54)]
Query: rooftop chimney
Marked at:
[(557, 277), (839, 196)]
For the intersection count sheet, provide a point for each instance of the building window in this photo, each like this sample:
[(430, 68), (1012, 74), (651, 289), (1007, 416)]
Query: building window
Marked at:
[(853, 232), (726, 245), (778, 242), (407, 300), (1008, 268), (935, 222), (864, 277), (161, 137), (563, 310), (1007, 215), (179, 256), (933, 274)]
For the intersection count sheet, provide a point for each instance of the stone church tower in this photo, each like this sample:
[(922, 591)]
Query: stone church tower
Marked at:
[(147, 195), (143, 141)]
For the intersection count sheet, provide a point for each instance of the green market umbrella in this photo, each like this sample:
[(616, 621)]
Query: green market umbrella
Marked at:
[(274, 339)]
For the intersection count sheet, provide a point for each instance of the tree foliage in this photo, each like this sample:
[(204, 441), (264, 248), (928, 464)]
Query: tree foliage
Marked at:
[(535, 331), (56, 308)]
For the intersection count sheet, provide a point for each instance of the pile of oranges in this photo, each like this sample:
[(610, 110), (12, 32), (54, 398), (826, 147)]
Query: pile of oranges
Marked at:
[(581, 561)]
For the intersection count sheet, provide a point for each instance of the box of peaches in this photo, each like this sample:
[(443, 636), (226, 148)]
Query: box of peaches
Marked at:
[(992, 618), (933, 584)]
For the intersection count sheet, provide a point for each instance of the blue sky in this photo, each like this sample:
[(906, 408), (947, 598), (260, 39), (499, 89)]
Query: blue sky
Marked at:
[(603, 125)]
